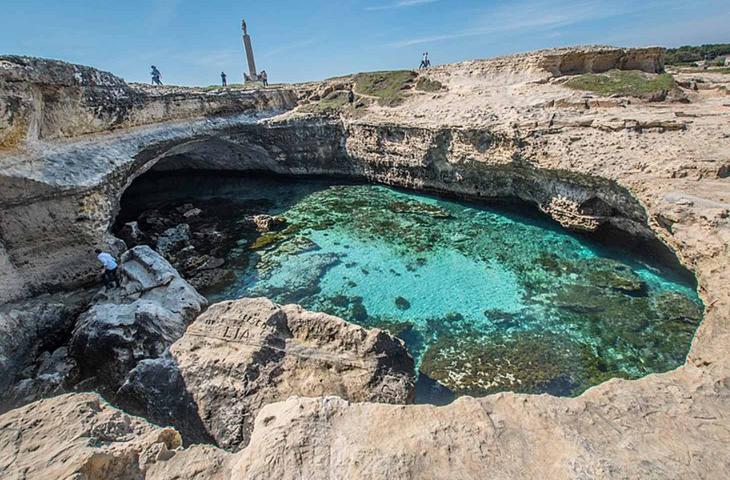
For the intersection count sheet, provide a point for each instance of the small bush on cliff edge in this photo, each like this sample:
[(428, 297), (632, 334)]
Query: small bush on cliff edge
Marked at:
[(621, 82), (387, 87), (329, 105), (425, 84)]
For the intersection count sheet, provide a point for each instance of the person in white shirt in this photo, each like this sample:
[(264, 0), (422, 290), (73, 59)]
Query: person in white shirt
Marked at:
[(110, 268)]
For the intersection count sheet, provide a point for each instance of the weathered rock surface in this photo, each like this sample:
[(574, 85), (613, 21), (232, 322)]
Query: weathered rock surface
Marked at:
[(505, 436), (79, 436), (30, 330), (241, 355), (498, 127), (79, 100), (138, 321), (172, 238), (54, 373)]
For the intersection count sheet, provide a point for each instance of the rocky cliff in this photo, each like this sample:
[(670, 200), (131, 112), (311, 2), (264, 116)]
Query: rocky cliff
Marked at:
[(644, 166), (64, 205), (61, 197)]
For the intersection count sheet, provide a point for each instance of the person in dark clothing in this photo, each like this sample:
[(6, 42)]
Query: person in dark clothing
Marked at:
[(110, 268), (351, 96), (155, 76), (223, 79), (425, 61), (264, 78)]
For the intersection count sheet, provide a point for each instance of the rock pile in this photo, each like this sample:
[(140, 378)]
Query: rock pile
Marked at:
[(195, 238), (33, 356)]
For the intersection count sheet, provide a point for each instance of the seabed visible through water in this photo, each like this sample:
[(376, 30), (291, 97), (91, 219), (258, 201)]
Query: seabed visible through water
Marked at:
[(487, 299)]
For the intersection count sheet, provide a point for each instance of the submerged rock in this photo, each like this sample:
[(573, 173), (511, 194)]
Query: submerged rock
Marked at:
[(241, 355), (138, 321), (172, 239), (607, 273), (527, 362), (402, 303), (215, 279), (675, 306), (269, 223), (418, 208), (300, 280)]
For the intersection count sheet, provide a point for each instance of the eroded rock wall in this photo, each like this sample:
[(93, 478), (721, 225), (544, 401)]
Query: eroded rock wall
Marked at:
[(468, 162), (475, 163), (48, 99), (52, 214)]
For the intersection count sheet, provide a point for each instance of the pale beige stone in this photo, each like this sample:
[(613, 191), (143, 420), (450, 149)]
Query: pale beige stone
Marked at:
[(505, 126)]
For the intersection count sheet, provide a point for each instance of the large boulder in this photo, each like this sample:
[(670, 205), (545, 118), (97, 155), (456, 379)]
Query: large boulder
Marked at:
[(242, 355), (138, 321), (79, 436), (148, 276)]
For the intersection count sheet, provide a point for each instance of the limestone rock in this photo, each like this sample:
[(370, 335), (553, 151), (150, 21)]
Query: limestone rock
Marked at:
[(150, 277), (172, 238), (241, 355), (576, 438), (212, 279), (110, 338), (79, 436), (139, 321), (55, 373), (31, 329), (130, 232), (267, 223)]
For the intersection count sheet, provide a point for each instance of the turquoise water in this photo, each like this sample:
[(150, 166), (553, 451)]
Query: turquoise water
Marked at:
[(485, 299)]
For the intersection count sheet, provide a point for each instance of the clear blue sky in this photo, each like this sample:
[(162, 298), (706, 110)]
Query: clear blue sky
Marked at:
[(191, 41)]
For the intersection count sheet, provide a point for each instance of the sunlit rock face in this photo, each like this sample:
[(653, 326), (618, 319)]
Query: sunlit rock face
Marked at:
[(486, 299), (242, 355)]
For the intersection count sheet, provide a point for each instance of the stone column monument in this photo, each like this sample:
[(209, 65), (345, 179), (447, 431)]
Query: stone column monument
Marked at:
[(252, 74)]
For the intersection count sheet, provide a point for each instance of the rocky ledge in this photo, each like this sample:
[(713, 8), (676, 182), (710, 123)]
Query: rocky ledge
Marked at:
[(80, 436)]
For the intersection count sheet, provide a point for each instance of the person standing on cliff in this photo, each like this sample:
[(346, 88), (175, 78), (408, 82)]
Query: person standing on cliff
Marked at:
[(223, 79), (155, 76), (264, 78), (110, 268)]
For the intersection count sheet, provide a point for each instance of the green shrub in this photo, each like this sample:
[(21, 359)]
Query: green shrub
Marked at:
[(621, 82), (688, 54), (388, 87), (425, 84), (331, 104)]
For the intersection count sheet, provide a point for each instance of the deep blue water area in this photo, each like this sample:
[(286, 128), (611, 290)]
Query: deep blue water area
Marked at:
[(486, 299)]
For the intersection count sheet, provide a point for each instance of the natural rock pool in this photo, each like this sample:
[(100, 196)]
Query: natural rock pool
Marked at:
[(487, 299)]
